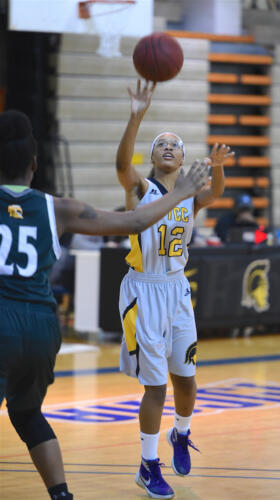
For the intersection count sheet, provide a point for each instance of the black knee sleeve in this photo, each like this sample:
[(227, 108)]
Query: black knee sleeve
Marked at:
[(31, 426)]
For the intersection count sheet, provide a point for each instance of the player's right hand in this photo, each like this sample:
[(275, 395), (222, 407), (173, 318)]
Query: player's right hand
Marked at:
[(140, 100)]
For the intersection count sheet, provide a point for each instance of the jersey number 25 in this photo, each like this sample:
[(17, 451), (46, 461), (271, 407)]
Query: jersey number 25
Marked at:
[(24, 247)]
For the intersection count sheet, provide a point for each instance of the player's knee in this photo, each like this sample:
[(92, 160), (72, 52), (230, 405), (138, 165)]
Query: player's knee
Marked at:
[(185, 384), (157, 393), (31, 426)]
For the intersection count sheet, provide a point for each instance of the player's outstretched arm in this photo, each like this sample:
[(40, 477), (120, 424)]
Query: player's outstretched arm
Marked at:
[(76, 217), (215, 188), (129, 178)]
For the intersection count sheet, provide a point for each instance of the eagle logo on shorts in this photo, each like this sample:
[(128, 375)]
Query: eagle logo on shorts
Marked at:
[(15, 211), (255, 286), (191, 354)]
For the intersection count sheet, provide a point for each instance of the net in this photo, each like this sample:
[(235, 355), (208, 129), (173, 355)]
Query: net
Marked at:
[(108, 19)]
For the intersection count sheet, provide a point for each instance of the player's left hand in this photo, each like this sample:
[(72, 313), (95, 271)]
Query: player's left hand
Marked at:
[(219, 155)]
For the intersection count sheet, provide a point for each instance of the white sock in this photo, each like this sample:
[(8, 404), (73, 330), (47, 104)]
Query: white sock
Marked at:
[(149, 445), (182, 424)]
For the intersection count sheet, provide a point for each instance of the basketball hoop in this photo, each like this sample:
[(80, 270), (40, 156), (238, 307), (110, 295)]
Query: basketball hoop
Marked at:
[(109, 18)]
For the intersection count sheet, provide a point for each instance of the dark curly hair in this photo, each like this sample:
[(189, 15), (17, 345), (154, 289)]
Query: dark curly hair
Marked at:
[(17, 144)]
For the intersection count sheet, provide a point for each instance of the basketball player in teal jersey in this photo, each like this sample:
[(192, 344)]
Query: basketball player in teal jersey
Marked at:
[(30, 225), (155, 301)]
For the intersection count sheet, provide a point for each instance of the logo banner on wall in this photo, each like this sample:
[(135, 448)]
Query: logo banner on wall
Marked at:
[(229, 286), (238, 289)]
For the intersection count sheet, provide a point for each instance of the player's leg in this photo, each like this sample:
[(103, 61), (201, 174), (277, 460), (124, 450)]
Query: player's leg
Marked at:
[(184, 398), (149, 474), (43, 447), (182, 365), (30, 373), (143, 356), (151, 408), (47, 459), (184, 390)]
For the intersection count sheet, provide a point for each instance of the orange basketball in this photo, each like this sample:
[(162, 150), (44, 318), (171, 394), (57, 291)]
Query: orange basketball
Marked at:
[(158, 57)]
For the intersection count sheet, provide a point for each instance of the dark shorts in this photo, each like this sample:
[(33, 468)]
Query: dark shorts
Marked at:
[(29, 341)]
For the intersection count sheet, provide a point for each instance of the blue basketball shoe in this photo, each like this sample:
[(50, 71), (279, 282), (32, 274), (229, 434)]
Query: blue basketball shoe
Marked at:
[(149, 477), (181, 461)]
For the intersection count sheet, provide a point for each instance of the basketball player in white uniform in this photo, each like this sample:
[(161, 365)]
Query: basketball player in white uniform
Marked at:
[(155, 299)]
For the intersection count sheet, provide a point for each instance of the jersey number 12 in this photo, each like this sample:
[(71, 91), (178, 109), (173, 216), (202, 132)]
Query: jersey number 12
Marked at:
[(171, 251)]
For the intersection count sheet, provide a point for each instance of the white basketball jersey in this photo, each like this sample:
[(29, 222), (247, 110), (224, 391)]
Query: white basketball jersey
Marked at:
[(162, 248)]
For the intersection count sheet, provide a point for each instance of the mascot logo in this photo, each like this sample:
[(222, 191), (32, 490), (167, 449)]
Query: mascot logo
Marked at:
[(191, 354), (255, 286), (15, 211)]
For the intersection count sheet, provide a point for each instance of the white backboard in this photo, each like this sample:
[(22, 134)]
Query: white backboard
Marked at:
[(61, 16)]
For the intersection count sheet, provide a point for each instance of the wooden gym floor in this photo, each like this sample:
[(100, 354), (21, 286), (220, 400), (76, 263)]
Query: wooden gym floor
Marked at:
[(93, 410)]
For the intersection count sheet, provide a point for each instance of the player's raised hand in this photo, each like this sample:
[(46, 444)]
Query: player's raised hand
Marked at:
[(140, 100), (219, 154), (192, 182)]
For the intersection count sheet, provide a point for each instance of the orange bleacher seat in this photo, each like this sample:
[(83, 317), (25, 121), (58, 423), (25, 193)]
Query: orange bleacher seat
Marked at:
[(212, 36), (255, 120), (212, 221), (227, 119), (246, 182), (244, 79), (222, 119), (260, 202), (239, 140), (248, 161), (262, 221), (253, 161), (255, 79), (240, 58), (262, 182), (222, 78), (229, 203), (230, 162), (222, 203), (235, 99)]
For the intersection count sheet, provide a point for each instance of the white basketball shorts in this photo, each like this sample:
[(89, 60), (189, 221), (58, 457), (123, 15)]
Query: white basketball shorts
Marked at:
[(159, 327)]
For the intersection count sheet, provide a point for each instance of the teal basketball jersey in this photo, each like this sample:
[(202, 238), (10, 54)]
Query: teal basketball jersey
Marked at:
[(28, 245)]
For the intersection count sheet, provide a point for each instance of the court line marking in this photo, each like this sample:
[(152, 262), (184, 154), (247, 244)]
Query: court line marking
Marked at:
[(137, 465), (76, 348), (210, 362), (133, 473), (138, 396)]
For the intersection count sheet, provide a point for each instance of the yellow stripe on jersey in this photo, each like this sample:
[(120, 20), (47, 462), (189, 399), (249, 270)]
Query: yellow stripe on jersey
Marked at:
[(134, 258), (129, 326)]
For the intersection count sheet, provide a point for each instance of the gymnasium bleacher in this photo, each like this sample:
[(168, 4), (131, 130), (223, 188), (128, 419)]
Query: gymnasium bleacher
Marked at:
[(93, 108), (221, 95)]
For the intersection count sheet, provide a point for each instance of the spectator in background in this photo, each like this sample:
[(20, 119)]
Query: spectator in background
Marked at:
[(241, 216)]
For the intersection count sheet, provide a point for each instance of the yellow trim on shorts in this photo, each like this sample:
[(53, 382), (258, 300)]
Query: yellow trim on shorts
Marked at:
[(129, 326), (134, 258)]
